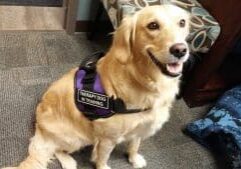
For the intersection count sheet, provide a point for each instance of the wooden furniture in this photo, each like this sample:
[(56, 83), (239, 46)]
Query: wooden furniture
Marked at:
[(71, 15), (209, 79)]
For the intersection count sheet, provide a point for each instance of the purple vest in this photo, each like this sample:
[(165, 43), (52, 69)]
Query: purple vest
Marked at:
[(90, 96), (91, 100)]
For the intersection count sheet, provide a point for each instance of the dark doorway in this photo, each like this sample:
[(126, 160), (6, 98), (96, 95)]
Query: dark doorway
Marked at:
[(50, 3)]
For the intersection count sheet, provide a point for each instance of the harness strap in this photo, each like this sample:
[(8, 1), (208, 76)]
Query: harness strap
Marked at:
[(120, 107)]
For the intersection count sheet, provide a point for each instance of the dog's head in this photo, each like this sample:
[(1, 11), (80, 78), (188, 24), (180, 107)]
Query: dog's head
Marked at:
[(154, 36)]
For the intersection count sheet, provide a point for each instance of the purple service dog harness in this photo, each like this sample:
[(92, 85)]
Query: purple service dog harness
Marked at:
[(90, 95)]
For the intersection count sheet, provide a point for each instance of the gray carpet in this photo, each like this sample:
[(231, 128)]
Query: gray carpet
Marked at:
[(55, 3), (30, 61)]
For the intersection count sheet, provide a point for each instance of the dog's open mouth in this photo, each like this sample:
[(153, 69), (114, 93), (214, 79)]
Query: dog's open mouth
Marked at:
[(173, 69)]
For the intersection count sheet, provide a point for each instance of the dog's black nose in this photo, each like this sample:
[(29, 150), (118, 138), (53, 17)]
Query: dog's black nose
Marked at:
[(178, 50)]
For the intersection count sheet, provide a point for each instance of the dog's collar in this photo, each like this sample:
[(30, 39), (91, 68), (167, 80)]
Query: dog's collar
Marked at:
[(90, 97)]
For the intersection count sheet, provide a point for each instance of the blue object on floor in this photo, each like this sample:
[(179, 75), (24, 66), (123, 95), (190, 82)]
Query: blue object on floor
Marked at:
[(221, 128)]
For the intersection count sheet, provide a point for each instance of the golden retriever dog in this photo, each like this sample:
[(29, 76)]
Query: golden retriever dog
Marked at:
[(142, 67)]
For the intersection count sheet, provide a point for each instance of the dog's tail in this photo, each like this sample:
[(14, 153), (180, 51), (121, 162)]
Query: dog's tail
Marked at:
[(41, 151)]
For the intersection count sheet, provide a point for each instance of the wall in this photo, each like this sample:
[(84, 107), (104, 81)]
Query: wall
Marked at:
[(87, 12), (84, 10)]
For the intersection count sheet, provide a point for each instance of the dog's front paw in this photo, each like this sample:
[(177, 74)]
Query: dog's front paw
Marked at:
[(137, 161), (102, 167)]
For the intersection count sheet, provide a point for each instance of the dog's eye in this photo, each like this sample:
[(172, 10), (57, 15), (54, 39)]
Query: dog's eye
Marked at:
[(182, 23), (153, 26)]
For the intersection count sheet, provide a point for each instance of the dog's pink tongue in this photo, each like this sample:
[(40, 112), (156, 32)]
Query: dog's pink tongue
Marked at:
[(174, 68)]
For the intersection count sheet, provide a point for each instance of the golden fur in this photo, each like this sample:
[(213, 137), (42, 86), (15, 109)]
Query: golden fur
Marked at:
[(126, 72)]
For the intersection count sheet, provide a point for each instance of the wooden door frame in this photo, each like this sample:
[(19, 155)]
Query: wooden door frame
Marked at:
[(71, 15)]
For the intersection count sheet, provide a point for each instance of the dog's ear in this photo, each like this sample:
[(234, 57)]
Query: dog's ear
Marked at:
[(124, 39)]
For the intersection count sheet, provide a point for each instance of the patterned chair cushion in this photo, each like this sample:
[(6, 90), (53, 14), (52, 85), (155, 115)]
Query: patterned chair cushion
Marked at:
[(204, 28)]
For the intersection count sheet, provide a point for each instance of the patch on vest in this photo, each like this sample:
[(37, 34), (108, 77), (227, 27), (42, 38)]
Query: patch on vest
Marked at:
[(93, 99)]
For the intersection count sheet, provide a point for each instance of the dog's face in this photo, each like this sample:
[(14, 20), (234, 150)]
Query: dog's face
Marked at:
[(156, 34)]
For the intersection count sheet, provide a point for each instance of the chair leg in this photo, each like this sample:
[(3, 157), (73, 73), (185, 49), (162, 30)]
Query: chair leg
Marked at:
[(93, 26)]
